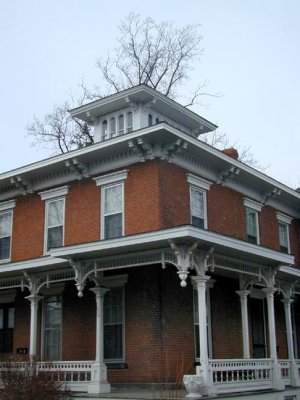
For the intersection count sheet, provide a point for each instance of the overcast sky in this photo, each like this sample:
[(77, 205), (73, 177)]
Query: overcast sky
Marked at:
[(251, 55)]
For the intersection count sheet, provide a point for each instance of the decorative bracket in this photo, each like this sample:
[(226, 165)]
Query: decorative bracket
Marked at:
[(247, 282), (78, 168), (270, 195), (227, 174), (141, 148), (21, 185), (174, 149), (268, 275), (287, 289)]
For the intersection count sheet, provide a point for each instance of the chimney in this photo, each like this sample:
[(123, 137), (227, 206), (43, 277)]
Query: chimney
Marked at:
[(231, 152)]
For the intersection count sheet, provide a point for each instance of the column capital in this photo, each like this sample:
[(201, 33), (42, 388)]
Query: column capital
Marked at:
[(287, 302), (269, 291), (243, 293), (200, 280), (99, 291), (34, 298)]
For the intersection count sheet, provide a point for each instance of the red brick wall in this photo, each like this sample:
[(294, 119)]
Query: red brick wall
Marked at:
[(268, 228)]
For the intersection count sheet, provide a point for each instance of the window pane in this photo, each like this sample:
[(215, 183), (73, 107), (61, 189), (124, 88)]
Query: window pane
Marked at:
[(113, 199), (4, 248), (113, 306), (283, 235), (251, 222), (55, 237), (11, 318), (113, 226), (104, 129), (112, 126), (5, 224), (55, 213), (121, 123), (197, 203), (113, 340), (52, 327), (129, 122), (150, 119)]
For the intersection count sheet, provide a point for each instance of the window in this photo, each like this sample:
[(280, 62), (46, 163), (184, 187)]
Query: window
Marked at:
[(113, 324), (156, 121), (252, 225), (121, 124), (112, 204), (6, 218), (54, 217), (52, 327), (104, 130), (112, 127), (150, 120), (113, 318), (129, 121), (198, 188), (283, 228), (7, 321)]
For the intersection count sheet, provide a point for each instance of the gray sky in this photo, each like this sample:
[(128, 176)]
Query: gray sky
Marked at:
[(251, 55)]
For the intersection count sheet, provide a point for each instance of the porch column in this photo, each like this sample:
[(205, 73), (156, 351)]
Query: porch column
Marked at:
[(245, 325), (277, 381), (34, 304), (203, 369), (289, 335), (99, 382)]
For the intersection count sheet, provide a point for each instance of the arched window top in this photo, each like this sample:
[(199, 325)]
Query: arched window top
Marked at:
[(150, 119), (156, 121)]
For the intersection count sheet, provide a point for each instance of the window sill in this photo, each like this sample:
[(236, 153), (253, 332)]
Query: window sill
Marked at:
[(116, 365)]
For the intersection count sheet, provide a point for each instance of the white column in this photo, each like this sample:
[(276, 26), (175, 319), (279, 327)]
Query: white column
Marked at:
[(245, 325), (277, 381), (295, 381), (203, 370), (34, 304), (99, 383)]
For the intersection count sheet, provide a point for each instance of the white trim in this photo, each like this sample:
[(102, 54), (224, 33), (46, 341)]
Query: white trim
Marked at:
[(47, 261), (8, 211), (198, 182), (204, 205), (290, 270), (174, 233), (285, 219), (53, 193), (252, 204), (114, 177), (7, 205)]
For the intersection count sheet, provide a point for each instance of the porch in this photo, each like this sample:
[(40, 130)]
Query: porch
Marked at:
[(229, 377)]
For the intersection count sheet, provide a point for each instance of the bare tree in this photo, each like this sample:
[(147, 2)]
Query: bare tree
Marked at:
[(159, 55)]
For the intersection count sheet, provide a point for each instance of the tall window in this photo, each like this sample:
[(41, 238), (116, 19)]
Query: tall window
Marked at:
[(112, 127), (121, 124), (6, 218), (52, 327), (113, 211), (112, 203), (5, 235), (198, 207), (283, 228), (114, 324), (55, 223), (7, 322), (252, 220), (150, 120), (54, 217), (129, 121), (104, 130)]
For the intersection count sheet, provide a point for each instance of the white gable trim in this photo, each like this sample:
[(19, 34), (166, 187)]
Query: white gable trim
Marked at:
[(7, 205), (53, 193), (252, 204), (198, 182), (284, 218), (114, 177)]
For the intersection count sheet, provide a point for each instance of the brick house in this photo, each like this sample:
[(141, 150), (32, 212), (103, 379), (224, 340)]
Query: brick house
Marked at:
[(151, 257)]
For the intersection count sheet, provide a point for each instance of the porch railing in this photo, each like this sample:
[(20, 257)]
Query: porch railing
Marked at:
[(240, 375), (285, 371)]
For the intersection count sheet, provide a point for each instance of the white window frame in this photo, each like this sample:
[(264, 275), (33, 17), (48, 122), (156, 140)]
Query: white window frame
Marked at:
[(286, 221), (51, 196), (7, 208), (202, 185), (256, 208), (118, 281), (107, 181)]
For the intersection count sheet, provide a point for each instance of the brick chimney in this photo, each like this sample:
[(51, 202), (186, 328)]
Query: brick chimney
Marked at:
[(231, 152)]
